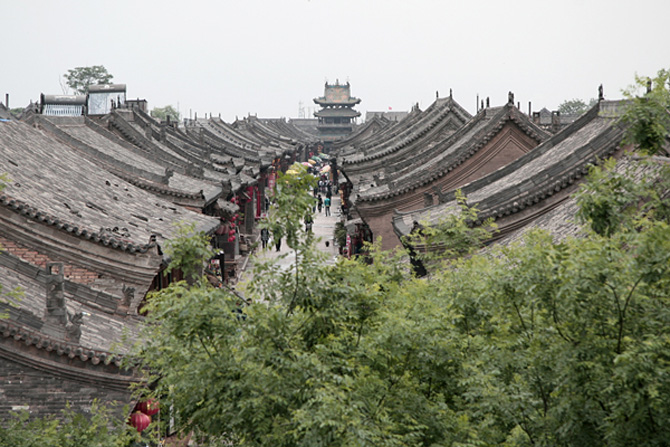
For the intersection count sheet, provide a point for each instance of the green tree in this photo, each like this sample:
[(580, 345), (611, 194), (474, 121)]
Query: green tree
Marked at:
[(538, 343), (80, 78), (162, 113), (459, 233), (575, 106), (648, 114), (68, 429)]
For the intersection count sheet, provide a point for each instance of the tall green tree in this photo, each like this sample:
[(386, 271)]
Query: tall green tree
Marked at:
[(80, 78), (648, 113)]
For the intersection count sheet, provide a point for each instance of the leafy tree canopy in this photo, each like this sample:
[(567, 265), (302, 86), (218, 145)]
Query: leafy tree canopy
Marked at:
[(69, 428), (648, 115), (162, 113), (540, 343), (80, 78), (575, 106)]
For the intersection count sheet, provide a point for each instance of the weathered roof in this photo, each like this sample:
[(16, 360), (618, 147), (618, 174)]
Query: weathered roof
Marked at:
[(146, 167), (444, 114), (554, 165), (82, 198), (436, 159), (561, 221)]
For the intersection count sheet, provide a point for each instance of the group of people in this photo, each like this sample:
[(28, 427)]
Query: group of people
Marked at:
[(322, 188)]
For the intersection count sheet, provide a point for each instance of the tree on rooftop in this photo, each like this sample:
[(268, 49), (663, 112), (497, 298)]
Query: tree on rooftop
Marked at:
[(575, 106), (80, 78), (648, 114), (162, 113)]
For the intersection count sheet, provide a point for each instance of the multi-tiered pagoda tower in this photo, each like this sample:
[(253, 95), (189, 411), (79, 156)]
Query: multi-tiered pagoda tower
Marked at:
[(337, 117)]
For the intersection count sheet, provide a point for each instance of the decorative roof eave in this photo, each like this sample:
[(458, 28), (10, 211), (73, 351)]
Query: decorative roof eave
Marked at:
[(337, 113), (449, 111), (103, 367), (160, 189), (322, 101), (543, 190), (36, 215), (547, 188)]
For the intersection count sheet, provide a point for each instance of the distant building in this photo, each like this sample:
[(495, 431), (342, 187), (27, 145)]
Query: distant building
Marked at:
[(102, 99), (337, 116), (62, 105)]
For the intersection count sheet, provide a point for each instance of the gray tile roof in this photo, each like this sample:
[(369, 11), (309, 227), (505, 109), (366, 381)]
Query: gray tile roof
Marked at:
[(55, 183), (554, 165), (437, 158)]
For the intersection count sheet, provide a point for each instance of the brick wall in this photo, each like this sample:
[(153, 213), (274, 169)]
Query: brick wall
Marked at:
[(75, 274), (43, 393)]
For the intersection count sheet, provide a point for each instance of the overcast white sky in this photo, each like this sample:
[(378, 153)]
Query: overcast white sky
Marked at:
[(264, 57)]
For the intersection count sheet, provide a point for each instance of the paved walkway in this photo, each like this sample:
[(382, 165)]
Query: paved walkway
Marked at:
[(323, 229)]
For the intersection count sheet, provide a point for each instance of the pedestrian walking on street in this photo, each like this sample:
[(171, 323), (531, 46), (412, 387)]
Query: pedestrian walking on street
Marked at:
[(319, 203), (265, 237), (277, 237), (326, 203)]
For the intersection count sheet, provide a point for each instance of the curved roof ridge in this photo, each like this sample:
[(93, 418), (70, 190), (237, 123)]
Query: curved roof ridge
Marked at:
[(543, 183), (436, 117), (482, 137), (40, 340), (42, 217)]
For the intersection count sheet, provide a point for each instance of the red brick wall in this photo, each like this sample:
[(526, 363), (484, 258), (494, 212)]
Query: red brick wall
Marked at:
[(75, 274)]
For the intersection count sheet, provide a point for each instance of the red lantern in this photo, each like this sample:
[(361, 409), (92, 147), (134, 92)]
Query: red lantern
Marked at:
[(140, 421), (149, 407)]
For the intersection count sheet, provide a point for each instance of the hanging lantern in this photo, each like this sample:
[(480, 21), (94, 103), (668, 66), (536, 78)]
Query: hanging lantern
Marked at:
[(149, 407), (140, 421)]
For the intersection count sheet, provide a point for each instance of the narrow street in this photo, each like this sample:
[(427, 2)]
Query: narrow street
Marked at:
[(323, 229)]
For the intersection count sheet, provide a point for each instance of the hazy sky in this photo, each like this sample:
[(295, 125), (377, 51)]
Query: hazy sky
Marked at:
[(264, 57)]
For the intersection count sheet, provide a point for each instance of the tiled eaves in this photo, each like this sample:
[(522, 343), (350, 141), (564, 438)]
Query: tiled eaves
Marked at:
[(220, 144), (601, 146), (190, 166), (230, 134), (481, 140), (405, 141), (74, 229), (157, 188), (193, 148), (433, 115), (415, 116), (96, 357), (531, 192)]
